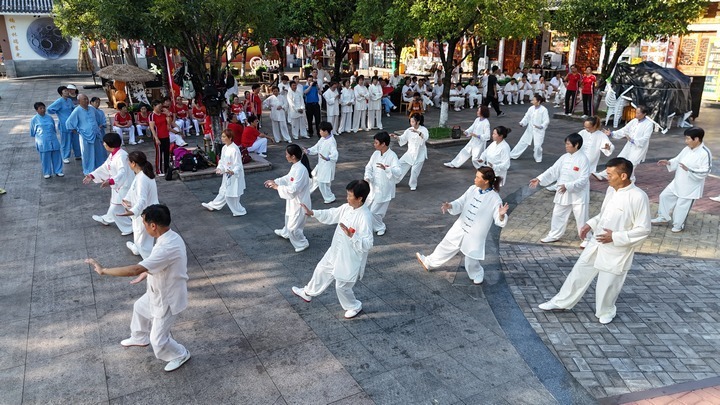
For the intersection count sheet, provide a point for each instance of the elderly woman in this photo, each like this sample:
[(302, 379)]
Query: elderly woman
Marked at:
[(42, 128)]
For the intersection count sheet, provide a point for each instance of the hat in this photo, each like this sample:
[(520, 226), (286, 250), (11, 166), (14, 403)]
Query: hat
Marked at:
[(60, 89), (71, 87)]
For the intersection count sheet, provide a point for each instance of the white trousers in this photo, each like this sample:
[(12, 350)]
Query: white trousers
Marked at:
[(345, 122), (143, 327), (334, 120), (140, 129), (513, 97), (534, 137), (378, 211), (445, 251), (606, 292), (322, 278), (360, 117), (259, 146), (414, 172), (325, 190), (196, 124), (298, 127), (232, 202), (184, 125), (678, 207), (527, 93), (124, 224), (293, 229), (475, 100), (373, 116), (560, 216), (129, 130), (142, 240), (280, 131), (465, 154), (457, 102), (426, 101)]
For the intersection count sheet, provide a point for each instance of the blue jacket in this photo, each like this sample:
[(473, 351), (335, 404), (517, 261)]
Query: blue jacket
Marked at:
[(42, 128), (61, 107)]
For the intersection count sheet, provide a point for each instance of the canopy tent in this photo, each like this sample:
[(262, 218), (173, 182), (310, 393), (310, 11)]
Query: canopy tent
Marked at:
[(665, 91)]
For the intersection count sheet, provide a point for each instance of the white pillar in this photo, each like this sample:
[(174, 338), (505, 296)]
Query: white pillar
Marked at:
[(501, 53), (603, 49), (523, 50), (571, 54)]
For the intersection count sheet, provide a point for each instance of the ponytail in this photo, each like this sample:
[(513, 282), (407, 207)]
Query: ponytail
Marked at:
[(489, 174), (140, 159), (594, 121), (297, 152)]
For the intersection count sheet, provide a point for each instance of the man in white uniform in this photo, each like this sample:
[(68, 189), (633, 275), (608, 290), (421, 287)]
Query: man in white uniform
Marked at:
[(344, 262), (536, 120), (622, 226), (637, 132), (332, 105), (525, 89), (166, 296), (413, 160), (511, 91), (296, 113), (361, 105), (324, 172), (380, 173), (691, 167)]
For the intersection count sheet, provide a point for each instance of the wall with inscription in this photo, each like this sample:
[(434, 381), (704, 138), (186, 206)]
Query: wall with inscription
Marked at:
[(37, 38)]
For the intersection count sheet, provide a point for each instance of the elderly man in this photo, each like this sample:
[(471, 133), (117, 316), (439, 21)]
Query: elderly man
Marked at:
[(83, 121), (62, 108), (637, 132)]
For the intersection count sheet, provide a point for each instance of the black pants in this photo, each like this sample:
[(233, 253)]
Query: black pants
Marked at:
[(312, 111), (162, 155), (492, 100), (570, 97), (587, 104)]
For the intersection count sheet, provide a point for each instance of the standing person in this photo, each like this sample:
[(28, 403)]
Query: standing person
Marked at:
[(123, 123), (572, 173), (233, 178), (381, 172), (42, 128), (166, 296), (621, 226), (637, 132), (594, 142), (83, 121), (344, 262), (312, 105), (691, 166), (332, 105), (141, 194), (589, 81), (160, 129), (479, 134), (252, 139), (361, 105), (69, 140), (199, 112), (536, 120), (497, 154), (479, 207), (571, 87), (375, 95), (142, 118), (347, 101), (116, 174), (101, 121), (294, 188), (414, 158), (278, 107), (492, 92), (324, 172), (296, 114)]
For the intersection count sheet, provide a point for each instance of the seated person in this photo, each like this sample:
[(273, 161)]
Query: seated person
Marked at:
[(142, 120), (252, 139), (437, 94), (511, 91), (123, 124), (408, 90), (457, 96), (473, 94), (386, 102), (525, 89), (236, 128), (417, 106)]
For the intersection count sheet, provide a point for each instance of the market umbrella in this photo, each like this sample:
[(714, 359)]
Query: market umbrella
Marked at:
[(126, 73)]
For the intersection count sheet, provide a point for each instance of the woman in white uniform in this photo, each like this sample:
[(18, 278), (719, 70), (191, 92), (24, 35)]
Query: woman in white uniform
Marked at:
[(497, 154), (233, 178), (375, 105), (278, 115), (347, 101), (594, 142), (142, 194), (380, 173), (324, 172), (361, 105), (294, 188), (536, 120), (413, 160), (479, 134)]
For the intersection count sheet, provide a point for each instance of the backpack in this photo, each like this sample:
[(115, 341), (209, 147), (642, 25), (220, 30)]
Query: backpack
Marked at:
[(178, 153), (188, 163), (202, 162)]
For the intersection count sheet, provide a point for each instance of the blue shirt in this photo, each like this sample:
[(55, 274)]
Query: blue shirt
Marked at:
[(312, 96), (85, 122), (42, 128), (61, 107)]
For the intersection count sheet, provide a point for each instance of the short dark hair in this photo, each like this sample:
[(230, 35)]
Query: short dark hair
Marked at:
[(119, 106), (325, 126), (94, 99), (359, 188), (575, 140), (643, 108), (382, 137), (112, 140), (60, 89), (38, 105), (622, 165), (695, 133), (251, 119), (255, 86), (157, 214), (503, 131), (485, 111), (494, 69), (156, 102), (539, 98)]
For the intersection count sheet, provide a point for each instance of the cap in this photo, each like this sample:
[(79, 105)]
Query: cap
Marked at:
[(71, 87)]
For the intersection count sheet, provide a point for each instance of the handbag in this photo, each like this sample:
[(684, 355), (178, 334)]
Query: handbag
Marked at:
[(456, 132)]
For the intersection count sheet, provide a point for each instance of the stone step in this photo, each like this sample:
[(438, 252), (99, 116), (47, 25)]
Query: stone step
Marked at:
[(258, 164)]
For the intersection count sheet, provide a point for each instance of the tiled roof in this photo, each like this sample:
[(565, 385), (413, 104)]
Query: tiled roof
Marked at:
[(26, 6)]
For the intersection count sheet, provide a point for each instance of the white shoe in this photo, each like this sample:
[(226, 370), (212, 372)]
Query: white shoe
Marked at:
[(522, 102), (140, 141), (329, 202), (548, 240), (60, 174), (241, 213), (66, 161), (126, 233), (716, 199), (676, 230), (352, 313), (584, 244), (132, 248), (47, 176), (388, 114), (208, 207), (658, 220), (421, 259), (606, 319), (129, 342), (381, 233), (176, 363), (300, 292), (548, 306), (300, 249), (133, 143), (100, 219), (448, 164), (279, 232), (413, 188), (478, 281)]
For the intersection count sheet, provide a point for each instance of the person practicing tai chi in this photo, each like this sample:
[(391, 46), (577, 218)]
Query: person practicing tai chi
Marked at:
[(294, 188), (637, 132), (230, 167), (413, 160), (344, 262), (381, 172), (324, 172), (142, 194), (479, 134), (691, 167), (155, 313), (479, 207), (536, 120), (497, 154), (42, 128), (572, 173), (621, 226), (116, 174)]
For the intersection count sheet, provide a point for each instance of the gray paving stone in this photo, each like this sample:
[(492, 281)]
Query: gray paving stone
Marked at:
[(242, 382), (133, 369), (62, 332), (13, 343), (61, 294), (11, 382), (77, 378)]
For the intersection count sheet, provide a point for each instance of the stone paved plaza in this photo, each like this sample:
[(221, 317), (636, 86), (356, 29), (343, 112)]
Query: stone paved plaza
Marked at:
[(422, 338)]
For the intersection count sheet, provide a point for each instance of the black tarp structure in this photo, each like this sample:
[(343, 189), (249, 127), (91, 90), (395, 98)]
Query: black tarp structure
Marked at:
[(665, 91)]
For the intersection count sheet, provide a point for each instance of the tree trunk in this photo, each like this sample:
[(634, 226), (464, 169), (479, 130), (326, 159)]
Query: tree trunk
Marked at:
[(447, 70), (340, 52), (398, 51), (475, 54)]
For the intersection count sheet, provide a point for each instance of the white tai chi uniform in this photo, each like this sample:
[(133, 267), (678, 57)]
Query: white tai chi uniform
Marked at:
[(478, 209), (347, 100), (573, 171), (513, 94), (479, 133), (375, 106), (278, 107), (232, 186), (296, 113), (165, 297), (345, 260), (294, 188), (535, 116), (626, 212), (456, 99), (324, 172), (382, 185), (497, 156), (473, 95), (332, 108), (116, 169), (525, 89), (361, 107), (593, 144), (142, 193), (407, 93), (416, 154), (687, 186), (636, 148)]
